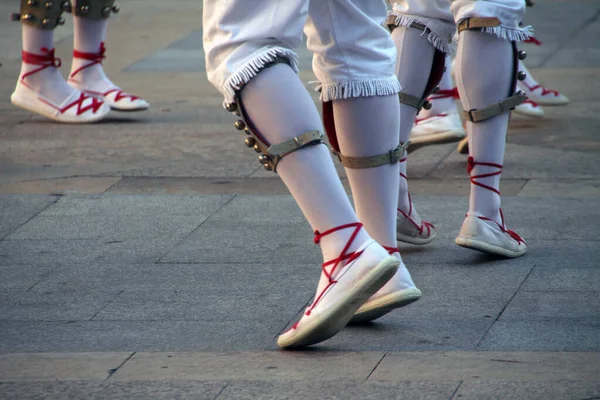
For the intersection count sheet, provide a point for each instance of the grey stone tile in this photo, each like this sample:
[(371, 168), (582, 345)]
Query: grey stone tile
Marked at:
[(126, 206), (239, 242), (90, 336), (551, 335), (397, 332), (506, 366), (203, 278), (271, 305), (107, 227), (500, 390), (541, 254), (20, 278), (46, 305), (574, 306), (270, 365), (339, 390), (15, 210), (170, 390), (256, 210), (563, 279), (59, 366), (84, 252)]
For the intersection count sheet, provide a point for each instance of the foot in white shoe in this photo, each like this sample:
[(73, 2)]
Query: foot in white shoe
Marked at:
[(88, 76), (400, 291), (437, 129), (347, 288), (410, 228), (43, 90), (530, 109), (483, 234), (543, 96)]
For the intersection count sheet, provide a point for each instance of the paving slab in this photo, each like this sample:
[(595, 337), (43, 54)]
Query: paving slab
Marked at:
[(501, 390), (539, 335), (336, 390), (508, 366), (560, 279), (123, 205), (171, 390), (59, 366), (60, 186), (15, 210), (21, 278), (43, 305), (107, 227), (576, 307), (95, 336), (270, 366)]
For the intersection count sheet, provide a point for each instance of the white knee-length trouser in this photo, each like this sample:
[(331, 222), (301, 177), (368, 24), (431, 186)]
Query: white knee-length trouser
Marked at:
[(441, 17), (353, 54)]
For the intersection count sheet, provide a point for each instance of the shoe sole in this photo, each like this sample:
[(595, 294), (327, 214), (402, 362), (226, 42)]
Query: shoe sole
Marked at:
[(375, 309), (433, 139), (414, 240), (337, 317), (463, 146), (64, 120), (529, 114), (484, 247), (129, 109)]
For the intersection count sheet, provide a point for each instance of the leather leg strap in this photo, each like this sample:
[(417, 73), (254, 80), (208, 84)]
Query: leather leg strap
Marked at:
[(391, 157), (477, 23), (271, 153), (514, 99)]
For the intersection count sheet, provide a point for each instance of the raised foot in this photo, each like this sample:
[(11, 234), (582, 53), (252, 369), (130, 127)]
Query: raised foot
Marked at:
[(335, 306)]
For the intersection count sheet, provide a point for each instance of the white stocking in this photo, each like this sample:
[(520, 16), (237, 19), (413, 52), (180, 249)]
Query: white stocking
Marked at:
[(484, 71)]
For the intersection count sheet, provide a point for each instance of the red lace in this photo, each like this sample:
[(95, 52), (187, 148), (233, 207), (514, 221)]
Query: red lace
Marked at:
[(533, 40), (48, 60), (444, 94), (391, 250), (424, 224), (344, 258), (419, 120), (533, 103), (471, 163), (45, 60), (544, 90), (96, 58)]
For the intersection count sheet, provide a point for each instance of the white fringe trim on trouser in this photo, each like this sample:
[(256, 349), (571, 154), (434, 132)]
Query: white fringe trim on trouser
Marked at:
[(443, 45), (511, 34), (359, 88), (251, 68)]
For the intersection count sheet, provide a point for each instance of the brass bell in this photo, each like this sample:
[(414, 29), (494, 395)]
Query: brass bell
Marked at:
[(45, 21), (65, 6), (246, 131), (268, 167), (61, 21), (48, 4), (250, 142), (116, 9), (231, 107), (84, 9), (427, 105), (256, 149), (105, 12), (31, 3), (264, 159), (522, 55), (521, 76), (520, 93), (239, 125), (27, 17)]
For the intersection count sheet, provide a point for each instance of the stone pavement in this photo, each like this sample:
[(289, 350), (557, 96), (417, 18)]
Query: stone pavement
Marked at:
[(150, 256)]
